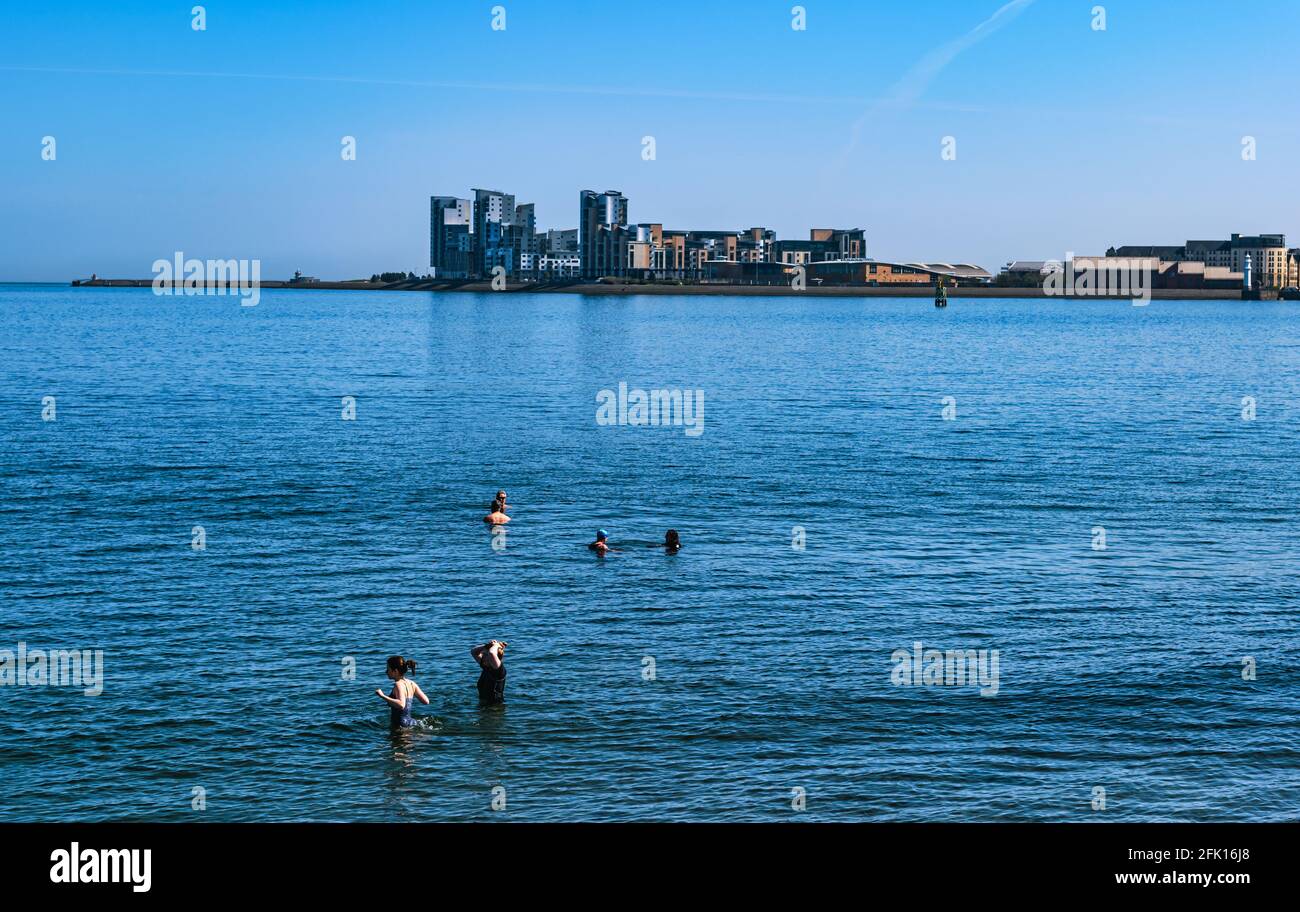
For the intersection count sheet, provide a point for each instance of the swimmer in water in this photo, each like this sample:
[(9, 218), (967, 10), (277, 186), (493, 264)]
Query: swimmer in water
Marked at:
[(672, 542), (404, 692), (498, 515), (601, 545), (501, 499), (492, 679)]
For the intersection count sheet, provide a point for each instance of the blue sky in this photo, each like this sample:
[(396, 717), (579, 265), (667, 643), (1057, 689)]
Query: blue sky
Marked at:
[(225, 142)]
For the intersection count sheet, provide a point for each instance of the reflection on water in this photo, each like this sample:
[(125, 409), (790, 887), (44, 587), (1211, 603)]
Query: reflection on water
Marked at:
[(407, 751), (402, 769)]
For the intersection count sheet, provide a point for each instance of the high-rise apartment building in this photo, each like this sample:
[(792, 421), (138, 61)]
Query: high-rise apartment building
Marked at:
[(494, 217), (602, 233), (451, 239)]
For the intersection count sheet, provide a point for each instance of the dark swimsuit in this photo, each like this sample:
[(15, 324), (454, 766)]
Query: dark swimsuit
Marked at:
[(492, 685), (401, 718)]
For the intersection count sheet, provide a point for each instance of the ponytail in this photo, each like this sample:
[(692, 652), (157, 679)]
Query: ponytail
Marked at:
[(401, 666)]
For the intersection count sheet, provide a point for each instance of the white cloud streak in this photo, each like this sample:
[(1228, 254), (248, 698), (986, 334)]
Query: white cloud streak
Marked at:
[(908, 90), (614, 91)]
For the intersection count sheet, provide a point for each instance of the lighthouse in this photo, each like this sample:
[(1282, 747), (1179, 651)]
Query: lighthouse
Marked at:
[(1245, 275)]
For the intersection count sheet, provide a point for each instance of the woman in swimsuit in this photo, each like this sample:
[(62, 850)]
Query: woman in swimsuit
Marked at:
[(404, 692), (492, 679)]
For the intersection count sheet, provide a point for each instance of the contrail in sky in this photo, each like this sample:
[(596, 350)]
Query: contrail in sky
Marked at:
[(916, 80), (617, 91), (908, 90)]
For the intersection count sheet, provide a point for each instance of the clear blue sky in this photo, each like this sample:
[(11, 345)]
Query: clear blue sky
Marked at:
[(225, 143)]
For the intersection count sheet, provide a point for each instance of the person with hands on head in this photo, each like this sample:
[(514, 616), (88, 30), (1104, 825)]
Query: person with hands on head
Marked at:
[(492, 679)]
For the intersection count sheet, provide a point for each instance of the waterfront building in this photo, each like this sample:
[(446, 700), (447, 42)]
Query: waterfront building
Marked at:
[(674, 252), (1026, 273), (1195, 274), (1267, 252), (451, 239), (1163, 253), (494, 215), (794, 253), (524, 231), (646, 254), (856, 271), (550, 266), (561, 241), (746, 272), (703, 246), (823, 244), (683, 254), (503, 232), (840, 244), (560, 265), (861, 271), (471, 238), (1268, 256), (1211, 253), (1270, 259), (655, 252), (602, 233), (754, 245), (1182, 274)]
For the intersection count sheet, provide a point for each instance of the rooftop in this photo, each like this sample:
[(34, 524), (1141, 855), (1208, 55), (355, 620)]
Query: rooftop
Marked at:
[(1164, 252), (1258, 240)]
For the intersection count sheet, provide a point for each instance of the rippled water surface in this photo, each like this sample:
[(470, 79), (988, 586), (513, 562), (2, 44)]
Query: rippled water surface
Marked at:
[(329, 540)]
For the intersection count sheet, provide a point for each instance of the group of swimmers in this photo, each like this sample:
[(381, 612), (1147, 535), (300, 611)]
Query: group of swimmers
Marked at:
[(672, 542), (491, 682), (491, 655)]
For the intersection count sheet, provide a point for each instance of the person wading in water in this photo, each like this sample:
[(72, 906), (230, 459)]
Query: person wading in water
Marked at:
[(492, 679)]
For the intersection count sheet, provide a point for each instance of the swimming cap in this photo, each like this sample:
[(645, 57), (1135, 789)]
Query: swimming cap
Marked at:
[(601, 533)]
